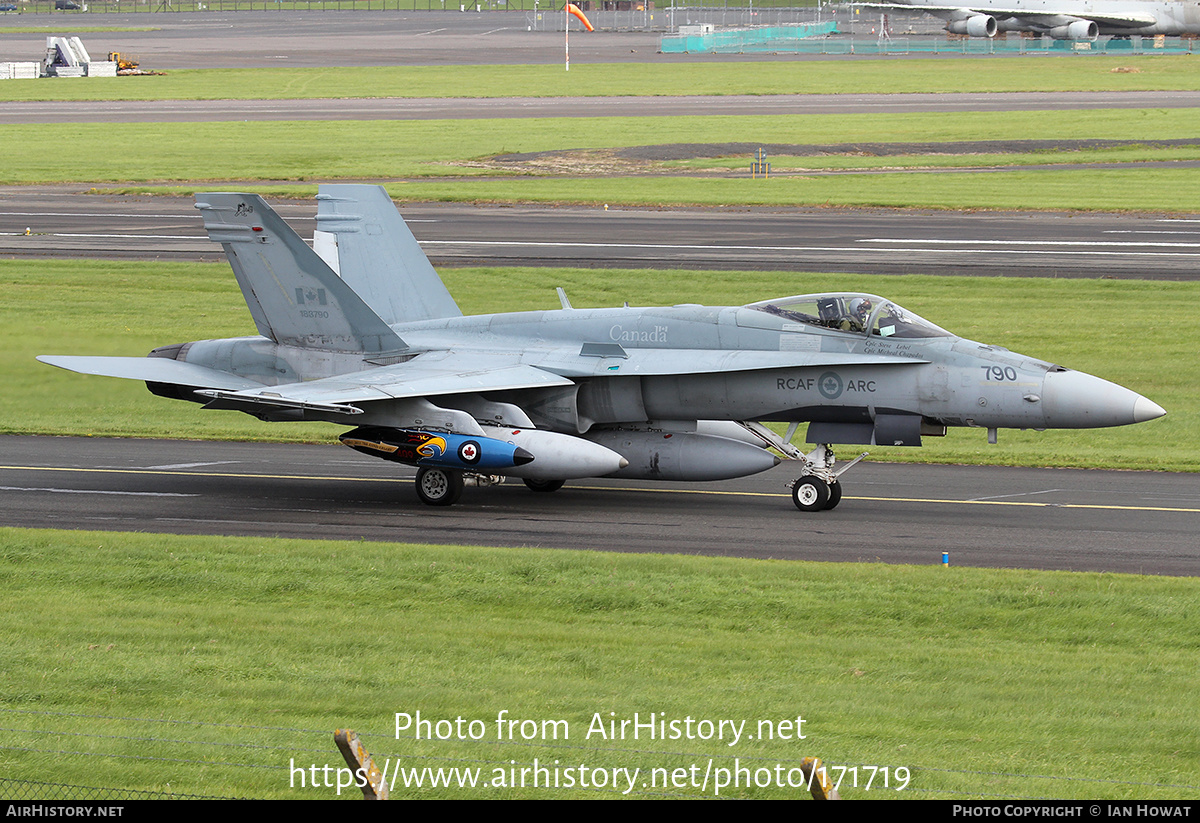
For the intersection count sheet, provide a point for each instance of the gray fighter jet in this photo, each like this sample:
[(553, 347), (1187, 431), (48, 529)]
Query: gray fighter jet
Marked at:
[(361, 332)]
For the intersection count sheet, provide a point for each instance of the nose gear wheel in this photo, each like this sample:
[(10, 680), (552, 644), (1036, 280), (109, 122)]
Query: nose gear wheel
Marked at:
[(819, 488)]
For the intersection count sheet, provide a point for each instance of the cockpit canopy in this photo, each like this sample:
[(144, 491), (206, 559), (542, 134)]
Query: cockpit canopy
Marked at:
[(855, 313)]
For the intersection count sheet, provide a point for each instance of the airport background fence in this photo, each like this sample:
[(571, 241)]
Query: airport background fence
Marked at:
[(639, 15), (857, 32), (541, 15), (166, 6), (783, 40)]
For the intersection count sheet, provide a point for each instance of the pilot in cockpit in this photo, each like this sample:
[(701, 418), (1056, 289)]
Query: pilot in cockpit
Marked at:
[(858, 310)]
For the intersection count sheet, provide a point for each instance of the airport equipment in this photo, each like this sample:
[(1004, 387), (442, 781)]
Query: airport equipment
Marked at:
[(20, 71), (67, 57), (125, 62)]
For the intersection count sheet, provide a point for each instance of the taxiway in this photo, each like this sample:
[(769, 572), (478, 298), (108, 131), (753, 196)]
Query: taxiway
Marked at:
[(65, 223), (1137, 522)]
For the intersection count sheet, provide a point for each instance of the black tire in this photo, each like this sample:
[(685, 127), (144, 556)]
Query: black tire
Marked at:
[(835, 495), (439, 487), (544, 486), (810, 494)]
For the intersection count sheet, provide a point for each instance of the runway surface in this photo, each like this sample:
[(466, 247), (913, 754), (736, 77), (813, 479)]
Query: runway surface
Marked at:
[(327, 39), (64, 223), (893, 513), (319, 39)]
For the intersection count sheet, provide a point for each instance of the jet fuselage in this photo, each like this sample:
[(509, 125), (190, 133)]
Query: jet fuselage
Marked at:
[(654, 369)]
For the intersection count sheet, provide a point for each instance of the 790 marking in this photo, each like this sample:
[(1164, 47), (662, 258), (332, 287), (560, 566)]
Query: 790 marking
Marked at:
[(999, 373)]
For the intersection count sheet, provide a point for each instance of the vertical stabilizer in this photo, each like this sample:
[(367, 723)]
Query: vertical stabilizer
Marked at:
[(363, 238), (294, 297)]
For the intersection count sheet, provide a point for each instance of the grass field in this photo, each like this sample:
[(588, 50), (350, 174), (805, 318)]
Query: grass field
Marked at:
[(1113, 329), (451, 160), (1171, 191), (850, 160), (205, 666), (968, 74), (387, 150)]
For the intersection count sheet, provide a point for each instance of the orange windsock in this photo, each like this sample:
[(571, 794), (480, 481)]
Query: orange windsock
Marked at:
[(574, 9)]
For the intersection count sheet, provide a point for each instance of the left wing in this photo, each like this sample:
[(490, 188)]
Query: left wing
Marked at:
[(425, 376)]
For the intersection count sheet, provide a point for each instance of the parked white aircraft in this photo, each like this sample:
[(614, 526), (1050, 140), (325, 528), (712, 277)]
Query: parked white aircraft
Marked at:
[(1062, 19)]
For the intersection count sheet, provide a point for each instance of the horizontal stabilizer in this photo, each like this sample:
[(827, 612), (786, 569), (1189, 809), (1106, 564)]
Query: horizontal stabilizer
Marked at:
[(152, 370), (376, 254), (294, 297)]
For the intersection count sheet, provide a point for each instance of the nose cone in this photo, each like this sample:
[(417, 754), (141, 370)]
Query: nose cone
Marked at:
[(1074, 400), (1144, 410)]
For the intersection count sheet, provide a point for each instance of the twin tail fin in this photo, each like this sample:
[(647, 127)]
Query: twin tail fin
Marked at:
[(294, 297)]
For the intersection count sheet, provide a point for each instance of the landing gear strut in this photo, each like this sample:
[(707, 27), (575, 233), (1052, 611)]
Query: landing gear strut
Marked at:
[(818, 488)]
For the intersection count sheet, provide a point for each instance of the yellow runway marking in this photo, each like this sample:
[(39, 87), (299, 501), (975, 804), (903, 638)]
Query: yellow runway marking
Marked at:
[(714, 492), (915, 500), (207, 474)]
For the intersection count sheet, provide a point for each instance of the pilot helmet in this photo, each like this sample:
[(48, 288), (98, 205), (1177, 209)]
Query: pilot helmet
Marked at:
[(860, 307)]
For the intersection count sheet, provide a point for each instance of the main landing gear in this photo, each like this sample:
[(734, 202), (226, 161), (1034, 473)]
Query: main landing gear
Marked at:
[(818, 488), (543, 486), (439, 487), (443, 487)]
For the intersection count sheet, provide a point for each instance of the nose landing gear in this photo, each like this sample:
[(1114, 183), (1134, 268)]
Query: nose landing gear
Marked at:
[(819, 489)]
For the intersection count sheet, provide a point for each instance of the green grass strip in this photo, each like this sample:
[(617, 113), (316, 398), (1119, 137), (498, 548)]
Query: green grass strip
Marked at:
[(1138, 153), (197, 154), (1136, 190), (251, 652), (1114, 329), (1107, 190), (833, 76)]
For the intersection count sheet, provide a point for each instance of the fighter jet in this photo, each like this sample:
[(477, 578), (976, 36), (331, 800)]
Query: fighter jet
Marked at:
[(1061, 19), (361, 332)]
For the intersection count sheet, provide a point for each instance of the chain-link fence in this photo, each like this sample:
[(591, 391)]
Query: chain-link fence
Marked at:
[(26, 790), (77, 7)]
